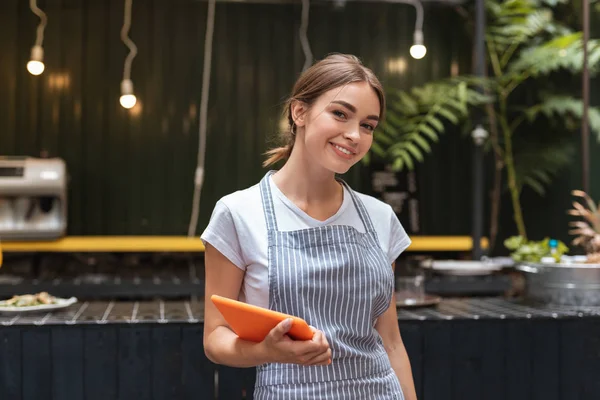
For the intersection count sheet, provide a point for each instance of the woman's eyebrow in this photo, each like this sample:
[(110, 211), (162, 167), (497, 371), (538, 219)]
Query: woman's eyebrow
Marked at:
[(353, 109)]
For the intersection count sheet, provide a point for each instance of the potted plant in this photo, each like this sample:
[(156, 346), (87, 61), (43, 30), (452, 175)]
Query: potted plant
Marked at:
[(566, 280), (587, 231)]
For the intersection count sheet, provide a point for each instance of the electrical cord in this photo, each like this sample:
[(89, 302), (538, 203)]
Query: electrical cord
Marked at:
[(43, 20), (199, 175), (128, 42)]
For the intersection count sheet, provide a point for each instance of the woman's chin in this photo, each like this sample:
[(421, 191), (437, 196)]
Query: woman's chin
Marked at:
[(339, 168)]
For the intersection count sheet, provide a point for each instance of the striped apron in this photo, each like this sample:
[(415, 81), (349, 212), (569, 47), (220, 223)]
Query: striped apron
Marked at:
[(339, 281)]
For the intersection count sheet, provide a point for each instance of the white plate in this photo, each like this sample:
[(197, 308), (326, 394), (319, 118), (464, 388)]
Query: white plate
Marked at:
[(464, 267), (60, 303)]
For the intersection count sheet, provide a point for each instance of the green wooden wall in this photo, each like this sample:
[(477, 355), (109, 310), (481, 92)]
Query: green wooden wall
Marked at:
[(132, 172)]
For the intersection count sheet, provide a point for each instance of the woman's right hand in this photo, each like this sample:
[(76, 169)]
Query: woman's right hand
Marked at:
[(280, 348)]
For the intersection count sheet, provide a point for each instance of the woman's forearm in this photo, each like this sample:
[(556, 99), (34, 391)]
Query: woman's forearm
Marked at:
[(401, 365), (223, 346)]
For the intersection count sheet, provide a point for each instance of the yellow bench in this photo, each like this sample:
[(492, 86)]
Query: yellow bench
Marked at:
[(135, 244)]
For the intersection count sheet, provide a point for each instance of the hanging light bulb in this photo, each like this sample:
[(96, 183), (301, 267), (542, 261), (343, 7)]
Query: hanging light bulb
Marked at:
[(127, 98), (35, 66), (418, 50)]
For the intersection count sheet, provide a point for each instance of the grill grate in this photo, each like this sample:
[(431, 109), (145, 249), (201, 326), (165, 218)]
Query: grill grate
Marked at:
[(161, 312)]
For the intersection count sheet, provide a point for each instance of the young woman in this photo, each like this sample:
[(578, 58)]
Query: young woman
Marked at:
[(303, 243)]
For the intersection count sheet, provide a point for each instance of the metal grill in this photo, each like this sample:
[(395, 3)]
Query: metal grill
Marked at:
[(104, 276), (192, 312)]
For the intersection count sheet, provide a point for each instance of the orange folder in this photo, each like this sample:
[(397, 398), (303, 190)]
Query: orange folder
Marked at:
[(254, 323)]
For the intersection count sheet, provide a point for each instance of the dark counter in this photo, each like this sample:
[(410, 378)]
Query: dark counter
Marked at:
[(158, 311), (461, 349)]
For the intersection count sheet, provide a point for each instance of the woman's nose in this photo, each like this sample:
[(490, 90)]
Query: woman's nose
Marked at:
[(353, 133)]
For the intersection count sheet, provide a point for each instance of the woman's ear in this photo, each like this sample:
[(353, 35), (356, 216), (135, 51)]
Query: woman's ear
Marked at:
[(299, 110)]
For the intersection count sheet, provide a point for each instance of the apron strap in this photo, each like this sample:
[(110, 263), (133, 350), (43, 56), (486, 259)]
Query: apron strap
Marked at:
[(267, 202), (362, 210)]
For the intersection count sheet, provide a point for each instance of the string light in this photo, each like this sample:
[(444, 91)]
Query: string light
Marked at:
[(35, 66), (418, 49), (127, 98)]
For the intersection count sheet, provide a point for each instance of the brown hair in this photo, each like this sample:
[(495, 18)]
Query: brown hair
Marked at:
[(336, 70)]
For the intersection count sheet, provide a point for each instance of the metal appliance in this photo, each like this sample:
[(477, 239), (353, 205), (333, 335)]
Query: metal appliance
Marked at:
[(33, 198)]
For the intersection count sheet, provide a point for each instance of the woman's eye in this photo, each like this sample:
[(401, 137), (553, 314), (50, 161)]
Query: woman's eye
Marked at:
[(339, 114), (370, 127)]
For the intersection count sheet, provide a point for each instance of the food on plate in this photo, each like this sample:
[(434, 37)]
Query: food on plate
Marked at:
[(29, 300)]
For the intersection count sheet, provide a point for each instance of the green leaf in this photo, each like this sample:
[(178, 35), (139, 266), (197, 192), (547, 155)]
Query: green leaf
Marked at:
[(408, 161), (560, 106), (394, 119), (398, 164), (537, 161), (448, 115), (561, 53), (367, 158), (421, 142), (436, 123), (535, 185), (429, 132), (414, 150), (377, 149)]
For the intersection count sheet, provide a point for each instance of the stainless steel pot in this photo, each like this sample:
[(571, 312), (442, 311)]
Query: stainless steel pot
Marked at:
[(563, 284)]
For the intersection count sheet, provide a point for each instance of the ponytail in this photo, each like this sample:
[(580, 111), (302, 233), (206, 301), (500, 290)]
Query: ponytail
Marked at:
[(277, 154), (288, 137)]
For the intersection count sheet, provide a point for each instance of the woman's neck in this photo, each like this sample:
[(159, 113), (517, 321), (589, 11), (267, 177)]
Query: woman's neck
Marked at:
[(308, 185)]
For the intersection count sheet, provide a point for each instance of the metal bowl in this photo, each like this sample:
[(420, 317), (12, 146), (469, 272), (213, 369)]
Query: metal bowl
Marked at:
[(563, 284)]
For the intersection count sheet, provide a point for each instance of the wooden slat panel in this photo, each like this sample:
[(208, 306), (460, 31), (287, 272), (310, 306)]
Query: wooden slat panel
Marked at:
[(117, 145), (51, 82), (437, 360), (134, 362), (71, 138), (155, 135), (546, 367), (493, 365), (8, 75), (413, 342), (198, 372), (36, 362), (591, 357), (11, 359), (67, 348), (232, 383), (518, 356), (139, 134), (100, 362), (28, 86), (467, 382), (167, 363), (95, 103)]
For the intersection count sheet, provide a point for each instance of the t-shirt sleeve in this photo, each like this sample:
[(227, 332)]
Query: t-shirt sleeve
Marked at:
[(399, 240), (221, 233)]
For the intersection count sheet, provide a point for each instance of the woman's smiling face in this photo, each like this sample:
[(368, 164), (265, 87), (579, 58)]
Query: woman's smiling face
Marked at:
[(338, 127)]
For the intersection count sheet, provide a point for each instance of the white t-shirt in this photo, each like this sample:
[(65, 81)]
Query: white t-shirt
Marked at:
[(238, 230)]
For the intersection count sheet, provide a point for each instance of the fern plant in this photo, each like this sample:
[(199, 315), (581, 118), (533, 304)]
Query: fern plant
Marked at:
[(527, 46), (417, 117)]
